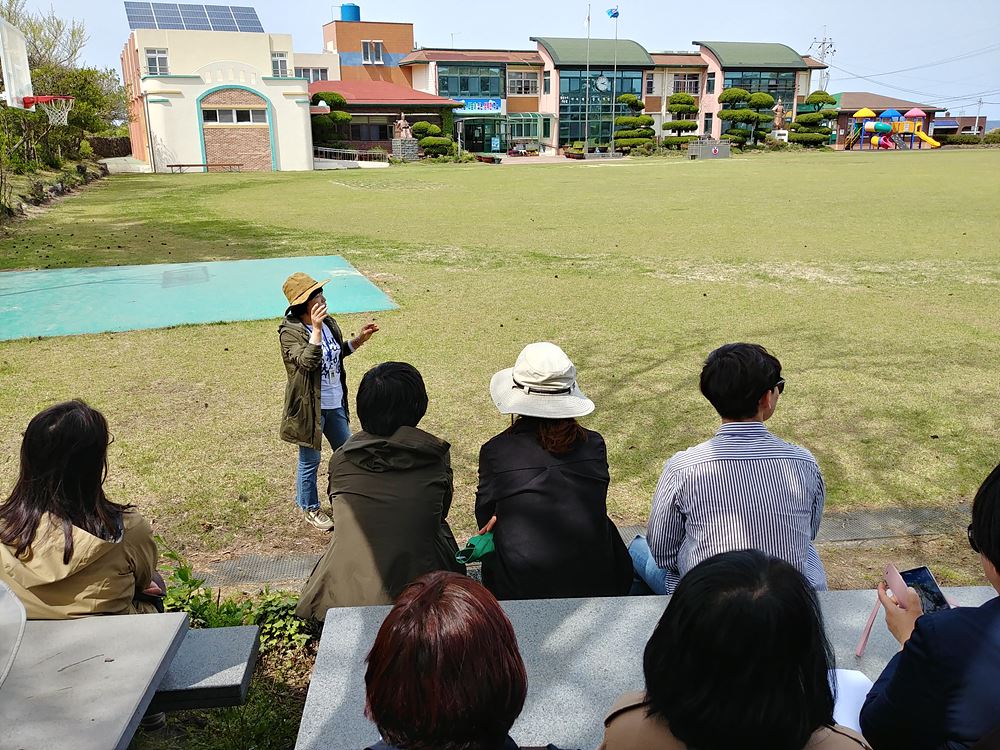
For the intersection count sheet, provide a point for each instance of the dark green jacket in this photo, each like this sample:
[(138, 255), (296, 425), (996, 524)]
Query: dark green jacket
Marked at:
[(390, 498), (301, 421)]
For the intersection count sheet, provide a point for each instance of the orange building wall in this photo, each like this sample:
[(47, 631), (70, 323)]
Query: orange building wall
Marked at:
[(522, 103), (346, 37), (653, 104), (137, 127)]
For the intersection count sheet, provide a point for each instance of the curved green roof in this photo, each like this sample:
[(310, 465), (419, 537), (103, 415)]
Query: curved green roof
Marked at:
[(755, 55), (572, 52)]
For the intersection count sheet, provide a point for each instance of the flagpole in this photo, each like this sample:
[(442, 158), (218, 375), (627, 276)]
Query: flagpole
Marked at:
[(614, 82), (586, 99)]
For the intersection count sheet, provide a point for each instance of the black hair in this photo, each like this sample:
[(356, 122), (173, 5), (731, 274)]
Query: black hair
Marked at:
[(391, 395), (64, 461), (735, 376), (297, 311), (986, 517), (740, 657)]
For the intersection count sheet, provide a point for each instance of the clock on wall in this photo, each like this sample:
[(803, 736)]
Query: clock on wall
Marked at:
[(603, 83)]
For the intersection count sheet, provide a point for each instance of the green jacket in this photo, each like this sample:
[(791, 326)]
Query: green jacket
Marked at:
[(390, 497), (300, 423)]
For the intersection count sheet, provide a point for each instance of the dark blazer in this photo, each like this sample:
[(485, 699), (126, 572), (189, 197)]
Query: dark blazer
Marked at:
[(553, 536), (942, 690)]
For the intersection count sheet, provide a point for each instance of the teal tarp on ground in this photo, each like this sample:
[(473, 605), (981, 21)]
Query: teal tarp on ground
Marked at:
[(65, 302)]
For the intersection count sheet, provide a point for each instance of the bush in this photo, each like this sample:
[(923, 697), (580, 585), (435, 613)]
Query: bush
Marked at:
[(637, 133), (681, 98), (631, 101), (819, 98), (808, 139), (423, 129), (741, 115), (86, 151), (810, 118), (992, 137), (109, 146), (676, 141), (436, 145), (627, 121), (333, 99), (680, 126), (821, 130), (682, 109), (967, 139), (736, 137), (734, 95), (760, 100), (626, 144)]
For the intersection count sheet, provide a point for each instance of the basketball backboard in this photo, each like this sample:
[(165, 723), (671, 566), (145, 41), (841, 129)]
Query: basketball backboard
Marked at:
[(14, 59)]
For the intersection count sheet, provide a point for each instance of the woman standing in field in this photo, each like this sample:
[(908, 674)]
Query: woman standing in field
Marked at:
[(312, 348)]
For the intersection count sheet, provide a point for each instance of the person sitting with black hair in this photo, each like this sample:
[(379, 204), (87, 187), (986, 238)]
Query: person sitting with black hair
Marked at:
[(738, 660), (742, 489), (392, 484), (940, 691)]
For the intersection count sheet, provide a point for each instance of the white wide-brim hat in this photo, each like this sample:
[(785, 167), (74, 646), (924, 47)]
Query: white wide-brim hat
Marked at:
[(542, 383)]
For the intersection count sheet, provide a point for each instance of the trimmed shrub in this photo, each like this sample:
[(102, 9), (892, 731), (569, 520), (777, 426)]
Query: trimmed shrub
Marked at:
[(682, 109), (635, 133), (819, 98), (423, 129), (734, 95), (436, 145), (645, 121), (810, 118), (739, 115), (737, 137), (808, 139), (332, 98), (680, 126), (626, 144), (820, 130), (676, 141), (681, 97), (632, 101), (760, 100), (628, 121)]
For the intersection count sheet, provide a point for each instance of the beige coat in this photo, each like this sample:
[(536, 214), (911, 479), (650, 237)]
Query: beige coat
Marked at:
[(101, 577), (628, 727)]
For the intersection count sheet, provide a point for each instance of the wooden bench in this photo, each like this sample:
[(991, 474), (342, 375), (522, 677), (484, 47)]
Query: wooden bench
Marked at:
[(228, 166), (489, 158), (212, 669)]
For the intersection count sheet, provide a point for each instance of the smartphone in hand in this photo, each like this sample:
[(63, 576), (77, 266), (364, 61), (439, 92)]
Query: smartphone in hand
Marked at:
[(922, 580)]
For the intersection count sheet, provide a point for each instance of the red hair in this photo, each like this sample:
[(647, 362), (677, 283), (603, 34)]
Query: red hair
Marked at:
[(445, 672)]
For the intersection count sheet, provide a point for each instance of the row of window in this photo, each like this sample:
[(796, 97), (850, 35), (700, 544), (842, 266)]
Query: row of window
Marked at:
[(229, 116), (157, 65), (522, 82), (688, 83), (313, 74)]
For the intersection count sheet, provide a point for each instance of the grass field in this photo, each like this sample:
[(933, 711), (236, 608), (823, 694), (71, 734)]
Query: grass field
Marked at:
[(875, 278)]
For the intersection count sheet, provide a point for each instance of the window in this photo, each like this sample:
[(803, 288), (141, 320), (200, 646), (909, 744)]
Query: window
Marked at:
[(230, 116), (470, 81), (313, 74), (575, 94), (649, 83), (687, 83), (775, 83), (521, 82), (546, 82), (156, 62), (364, 128), (710, 84), (371, 52), (546, 128), (707, 130), (524, 129), (279, 64)]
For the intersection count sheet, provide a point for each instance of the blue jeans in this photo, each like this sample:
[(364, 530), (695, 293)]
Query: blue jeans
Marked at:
[(645, 567), (337, 429)]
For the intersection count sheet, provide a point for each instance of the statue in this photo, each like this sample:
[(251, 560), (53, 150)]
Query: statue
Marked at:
[(779, 115), (401, 128)]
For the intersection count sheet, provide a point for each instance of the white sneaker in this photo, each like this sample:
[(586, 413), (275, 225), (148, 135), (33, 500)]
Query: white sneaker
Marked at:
[(319, 519)]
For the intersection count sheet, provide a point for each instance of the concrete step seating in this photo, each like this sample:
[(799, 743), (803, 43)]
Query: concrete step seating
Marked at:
[(212, 669)]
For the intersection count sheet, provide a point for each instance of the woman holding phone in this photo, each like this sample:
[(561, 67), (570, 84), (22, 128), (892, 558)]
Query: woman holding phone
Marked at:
[(313, 349)]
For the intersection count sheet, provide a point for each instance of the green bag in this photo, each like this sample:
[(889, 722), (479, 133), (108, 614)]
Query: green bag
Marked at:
[(478, 547)]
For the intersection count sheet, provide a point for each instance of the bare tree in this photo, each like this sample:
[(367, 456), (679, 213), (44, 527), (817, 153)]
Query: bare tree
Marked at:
[(51, 40)]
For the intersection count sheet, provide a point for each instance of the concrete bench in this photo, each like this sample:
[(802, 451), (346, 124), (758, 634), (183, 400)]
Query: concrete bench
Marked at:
[(212, 669)]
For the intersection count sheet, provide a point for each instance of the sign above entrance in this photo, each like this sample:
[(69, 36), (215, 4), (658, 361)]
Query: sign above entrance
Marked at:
[(479, 106)]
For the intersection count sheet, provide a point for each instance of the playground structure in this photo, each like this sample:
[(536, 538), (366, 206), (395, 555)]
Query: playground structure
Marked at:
[(890, 130)]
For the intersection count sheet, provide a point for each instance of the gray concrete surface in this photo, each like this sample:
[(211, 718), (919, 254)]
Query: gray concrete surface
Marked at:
[(212, 669), (581, 654), (85, 683)]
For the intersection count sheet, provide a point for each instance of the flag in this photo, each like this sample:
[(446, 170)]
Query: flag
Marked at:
[(613, 12)]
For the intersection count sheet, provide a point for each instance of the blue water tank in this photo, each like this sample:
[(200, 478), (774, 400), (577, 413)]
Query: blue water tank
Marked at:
[(350, 12)]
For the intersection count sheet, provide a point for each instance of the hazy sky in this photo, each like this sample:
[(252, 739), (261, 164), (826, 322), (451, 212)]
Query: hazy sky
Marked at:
[(871, 38)]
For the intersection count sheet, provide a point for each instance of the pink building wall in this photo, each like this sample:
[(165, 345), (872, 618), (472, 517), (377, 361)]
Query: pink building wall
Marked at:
[(710, 102)]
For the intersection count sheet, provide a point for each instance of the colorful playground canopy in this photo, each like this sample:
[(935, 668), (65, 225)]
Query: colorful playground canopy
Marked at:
[(915, 113), (863, 112), (891, 114)]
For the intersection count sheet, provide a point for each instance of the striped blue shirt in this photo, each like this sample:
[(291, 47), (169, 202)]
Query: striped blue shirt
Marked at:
[(742, 489)]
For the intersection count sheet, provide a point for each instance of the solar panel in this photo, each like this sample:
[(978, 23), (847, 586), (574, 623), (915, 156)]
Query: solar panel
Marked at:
[(189, 17)]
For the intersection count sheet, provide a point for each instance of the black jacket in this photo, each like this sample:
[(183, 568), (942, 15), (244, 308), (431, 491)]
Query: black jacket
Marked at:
[(553, 536)]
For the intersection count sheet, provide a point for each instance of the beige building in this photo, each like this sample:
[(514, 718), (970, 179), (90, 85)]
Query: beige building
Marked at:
[(220, 97)]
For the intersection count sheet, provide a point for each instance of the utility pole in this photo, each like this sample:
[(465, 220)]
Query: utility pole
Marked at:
[(453, 38), (824, 50), (980, 131)]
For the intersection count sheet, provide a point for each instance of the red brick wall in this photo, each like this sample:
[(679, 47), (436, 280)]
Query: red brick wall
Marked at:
[(249, 145), (233, 98)]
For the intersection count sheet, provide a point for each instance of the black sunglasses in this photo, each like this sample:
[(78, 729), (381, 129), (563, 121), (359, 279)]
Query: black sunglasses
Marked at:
[(780, 385), (972, 540)]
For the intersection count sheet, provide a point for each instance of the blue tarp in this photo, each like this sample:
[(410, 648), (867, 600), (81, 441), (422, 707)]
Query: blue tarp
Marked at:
[(64, 302)]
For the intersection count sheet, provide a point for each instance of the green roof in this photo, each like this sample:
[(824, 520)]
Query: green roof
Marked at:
[(755, 55), (572, 52)]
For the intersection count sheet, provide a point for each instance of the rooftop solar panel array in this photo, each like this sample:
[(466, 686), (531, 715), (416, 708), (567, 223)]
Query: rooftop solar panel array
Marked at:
[(192, 17)]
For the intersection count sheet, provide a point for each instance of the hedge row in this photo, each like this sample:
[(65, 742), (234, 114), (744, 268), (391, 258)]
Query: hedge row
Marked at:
[(808, 139), (106, 148), (967, 139)]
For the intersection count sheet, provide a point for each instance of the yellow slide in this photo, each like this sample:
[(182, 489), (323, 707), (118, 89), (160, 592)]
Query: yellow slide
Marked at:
[(927, 139)]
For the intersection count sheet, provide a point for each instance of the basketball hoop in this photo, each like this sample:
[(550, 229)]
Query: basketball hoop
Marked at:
[(56, 108)]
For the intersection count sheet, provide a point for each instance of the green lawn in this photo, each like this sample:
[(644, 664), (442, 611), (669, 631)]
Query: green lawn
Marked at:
[(875, 278)]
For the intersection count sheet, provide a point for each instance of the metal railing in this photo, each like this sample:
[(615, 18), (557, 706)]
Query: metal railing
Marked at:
[(347, 154)]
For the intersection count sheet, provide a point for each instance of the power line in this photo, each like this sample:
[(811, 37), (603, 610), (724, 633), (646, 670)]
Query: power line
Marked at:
[(940, 97), (944, 61)]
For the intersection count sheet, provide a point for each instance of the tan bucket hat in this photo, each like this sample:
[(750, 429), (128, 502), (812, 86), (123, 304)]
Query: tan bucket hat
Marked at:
[(542, 383), (299, 286)]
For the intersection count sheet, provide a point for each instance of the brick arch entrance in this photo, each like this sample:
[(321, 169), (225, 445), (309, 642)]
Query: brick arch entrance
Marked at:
[(236, 129)]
